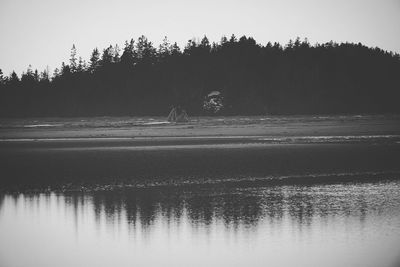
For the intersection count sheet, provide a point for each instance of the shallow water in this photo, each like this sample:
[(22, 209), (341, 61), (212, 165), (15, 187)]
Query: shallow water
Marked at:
[(217, 191), (341, 224), (122, 122)]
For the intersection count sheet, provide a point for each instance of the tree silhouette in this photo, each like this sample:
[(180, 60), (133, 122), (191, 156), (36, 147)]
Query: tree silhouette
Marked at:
[(73, 61), (2, 78), (94, 60), (252, 79), (129, 54)]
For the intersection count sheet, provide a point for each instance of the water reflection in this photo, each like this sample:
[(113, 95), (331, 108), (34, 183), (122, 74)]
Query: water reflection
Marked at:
[(253, 222), (234, 206)]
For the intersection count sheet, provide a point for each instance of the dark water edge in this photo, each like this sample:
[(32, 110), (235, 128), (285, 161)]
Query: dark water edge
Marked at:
[(34, 167), (192, 183)]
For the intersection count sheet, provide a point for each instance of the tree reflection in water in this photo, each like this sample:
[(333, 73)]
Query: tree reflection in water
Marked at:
[(231, 206), (342, 224)]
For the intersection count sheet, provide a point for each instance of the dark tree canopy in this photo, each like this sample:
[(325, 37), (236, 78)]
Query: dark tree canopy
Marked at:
[(253, 79)]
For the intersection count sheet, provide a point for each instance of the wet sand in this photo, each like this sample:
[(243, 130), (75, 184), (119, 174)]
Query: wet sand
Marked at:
[(287, 152), (200, 127), (37, 167)]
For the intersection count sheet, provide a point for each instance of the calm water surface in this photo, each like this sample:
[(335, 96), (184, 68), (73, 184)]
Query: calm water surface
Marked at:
[(350, 224)]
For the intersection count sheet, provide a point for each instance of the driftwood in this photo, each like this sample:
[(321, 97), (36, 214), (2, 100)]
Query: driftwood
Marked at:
[(178, 115)]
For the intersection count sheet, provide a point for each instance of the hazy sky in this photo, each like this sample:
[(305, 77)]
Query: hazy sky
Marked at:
[(41, 32)]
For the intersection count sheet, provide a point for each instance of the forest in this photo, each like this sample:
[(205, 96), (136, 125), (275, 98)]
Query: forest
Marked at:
[(252, 79)]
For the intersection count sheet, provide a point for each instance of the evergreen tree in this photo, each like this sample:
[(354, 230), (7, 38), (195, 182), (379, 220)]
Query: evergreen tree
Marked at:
[(65, 70), (36, 77), (129, 55), (14, 79), (73, 61), (164, 48), (94, 60), (107, 56), (44, 75), (175, 50), (296, 78), (2, 80), (145, 50), (56, 73), (81, 65), (205, 43), (116, 56)]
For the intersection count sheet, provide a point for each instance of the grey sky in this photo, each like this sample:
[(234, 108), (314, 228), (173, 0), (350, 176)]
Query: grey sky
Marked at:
[(41, 32)]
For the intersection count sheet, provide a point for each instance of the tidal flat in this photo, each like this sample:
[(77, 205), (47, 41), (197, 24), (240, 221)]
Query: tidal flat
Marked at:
[(235, 191)]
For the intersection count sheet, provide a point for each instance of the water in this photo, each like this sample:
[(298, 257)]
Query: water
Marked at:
[(121, 122), (217, 191), (340, 224)]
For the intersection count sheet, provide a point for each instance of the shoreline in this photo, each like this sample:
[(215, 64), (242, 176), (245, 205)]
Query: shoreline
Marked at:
[(43, 157), (203, 127), (36, 165)]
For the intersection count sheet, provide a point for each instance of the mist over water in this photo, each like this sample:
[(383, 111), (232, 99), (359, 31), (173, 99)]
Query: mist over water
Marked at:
[(342, 224)]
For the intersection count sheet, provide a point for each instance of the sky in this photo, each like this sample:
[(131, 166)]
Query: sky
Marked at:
[(41, 32)]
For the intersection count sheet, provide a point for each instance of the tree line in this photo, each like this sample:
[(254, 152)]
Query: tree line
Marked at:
[(253, 79)]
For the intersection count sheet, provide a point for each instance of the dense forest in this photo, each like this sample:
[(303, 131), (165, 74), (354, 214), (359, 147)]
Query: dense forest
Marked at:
[(253, 79)]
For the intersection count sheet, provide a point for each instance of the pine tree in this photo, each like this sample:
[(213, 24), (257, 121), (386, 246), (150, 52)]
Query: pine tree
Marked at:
[(233, 39), (65, 70), (205, 43), (116, 56), (14, 77), (164, 48), (224, 40), (94, 60), (1, 77), (175, 49), (14, 80), (44, 75), (29, 71), (82, 66), (144, 49), (129, 55), (56, 73), (36, 76), (107, 56), (73, 61)]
